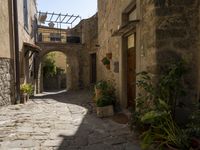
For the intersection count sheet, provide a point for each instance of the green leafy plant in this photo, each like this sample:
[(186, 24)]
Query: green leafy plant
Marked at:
[(26, 88), (171, 84), (163, 130), (107, 94), (105, 100), (102, 85), (49, 66), (193, 127), (105, 61), (155, 107)]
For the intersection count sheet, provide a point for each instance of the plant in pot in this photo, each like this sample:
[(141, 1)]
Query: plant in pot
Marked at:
[(105, 98), (106, 62), (99, 87), (26, 91)]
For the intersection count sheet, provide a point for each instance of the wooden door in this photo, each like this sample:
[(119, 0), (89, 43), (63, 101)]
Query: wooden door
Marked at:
[(93, 70), (131, 71)]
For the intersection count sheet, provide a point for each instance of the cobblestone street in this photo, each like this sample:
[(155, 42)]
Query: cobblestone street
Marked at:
[(61, 121)]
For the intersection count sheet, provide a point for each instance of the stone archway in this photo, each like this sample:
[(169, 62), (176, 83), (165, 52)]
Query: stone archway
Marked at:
[(57, 79), (72, 52)]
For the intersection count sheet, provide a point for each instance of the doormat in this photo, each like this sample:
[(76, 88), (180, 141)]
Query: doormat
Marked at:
[(120, 118)]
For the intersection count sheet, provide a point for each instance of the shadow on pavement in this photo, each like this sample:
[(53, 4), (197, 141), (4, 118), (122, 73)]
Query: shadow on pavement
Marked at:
[(92, 133)]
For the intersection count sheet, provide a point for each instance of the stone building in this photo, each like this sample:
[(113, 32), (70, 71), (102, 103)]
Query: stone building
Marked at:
[(143, 35), (17, 54)]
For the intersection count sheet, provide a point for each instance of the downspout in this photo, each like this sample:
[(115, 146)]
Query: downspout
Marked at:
[(16, 39)]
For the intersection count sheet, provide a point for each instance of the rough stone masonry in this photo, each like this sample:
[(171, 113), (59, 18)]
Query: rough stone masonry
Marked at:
[(6, 80)]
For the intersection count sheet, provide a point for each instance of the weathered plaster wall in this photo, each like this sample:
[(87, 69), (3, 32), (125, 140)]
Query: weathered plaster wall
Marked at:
[(60, 60), (25, 35), (5, 43)]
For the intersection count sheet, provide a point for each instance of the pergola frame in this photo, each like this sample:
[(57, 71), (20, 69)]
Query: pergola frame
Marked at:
[(59, 18)]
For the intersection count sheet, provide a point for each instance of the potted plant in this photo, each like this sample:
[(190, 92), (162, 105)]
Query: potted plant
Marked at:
[(106, 62), (99, 87), (104, 98), (26, 91)]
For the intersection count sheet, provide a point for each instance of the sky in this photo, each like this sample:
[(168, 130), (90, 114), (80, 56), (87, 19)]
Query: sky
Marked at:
[(83, 8)]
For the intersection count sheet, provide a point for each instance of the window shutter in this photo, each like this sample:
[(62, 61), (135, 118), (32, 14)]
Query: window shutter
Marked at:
[(26, 14)]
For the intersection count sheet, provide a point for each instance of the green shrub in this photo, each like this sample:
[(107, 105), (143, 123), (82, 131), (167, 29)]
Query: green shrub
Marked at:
[(27, 88), (107, 96), (156, 105), (105, 61), (105, 100)]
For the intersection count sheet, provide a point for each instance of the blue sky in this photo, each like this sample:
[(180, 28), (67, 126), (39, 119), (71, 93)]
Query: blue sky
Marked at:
[(84, 8)]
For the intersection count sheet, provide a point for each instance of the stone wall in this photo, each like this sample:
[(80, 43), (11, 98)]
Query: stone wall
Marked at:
[(166, 30), (109, 20), (6, 81), (90, 42), (177, 36), (146, 57)]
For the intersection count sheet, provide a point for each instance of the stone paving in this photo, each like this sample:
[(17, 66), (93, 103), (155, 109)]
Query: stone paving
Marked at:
[(63, 121)]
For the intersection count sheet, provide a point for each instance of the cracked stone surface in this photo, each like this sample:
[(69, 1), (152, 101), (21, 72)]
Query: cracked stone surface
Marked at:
[(61, 121)]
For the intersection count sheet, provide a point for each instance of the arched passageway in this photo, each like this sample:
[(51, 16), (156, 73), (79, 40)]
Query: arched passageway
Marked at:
[(54, 68), (72, 52)]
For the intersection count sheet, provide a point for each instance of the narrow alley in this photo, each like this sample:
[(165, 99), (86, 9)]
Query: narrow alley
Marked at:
[(100, 75), (64, 120)]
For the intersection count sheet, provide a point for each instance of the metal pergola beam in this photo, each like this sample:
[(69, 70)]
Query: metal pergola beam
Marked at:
[(59, 18), (69, 18), (74, 19), (51, 16), (64, 17)]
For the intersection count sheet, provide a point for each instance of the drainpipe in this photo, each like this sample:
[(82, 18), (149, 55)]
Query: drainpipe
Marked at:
[(16, 39)]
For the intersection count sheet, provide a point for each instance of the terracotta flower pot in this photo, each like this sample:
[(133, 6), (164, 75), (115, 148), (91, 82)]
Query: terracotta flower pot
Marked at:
[(108, 66), (109, 55)]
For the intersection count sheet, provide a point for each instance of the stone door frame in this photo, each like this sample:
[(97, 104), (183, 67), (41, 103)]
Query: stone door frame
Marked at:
[(123, 52)]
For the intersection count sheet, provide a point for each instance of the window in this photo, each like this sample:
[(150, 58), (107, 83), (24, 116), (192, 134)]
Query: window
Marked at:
[(131, 41), (55, 37), (129, 13), (26, 14), (73, 39), (132, 15)]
